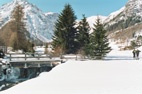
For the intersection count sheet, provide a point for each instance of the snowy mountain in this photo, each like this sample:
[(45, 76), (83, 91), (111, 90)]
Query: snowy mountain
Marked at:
[(127, 16), (125, 25), (92, 20), (113, 15), (39, 24)]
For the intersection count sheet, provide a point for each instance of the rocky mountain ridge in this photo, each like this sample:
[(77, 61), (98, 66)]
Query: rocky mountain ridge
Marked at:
[(39, 24), (127, 16)]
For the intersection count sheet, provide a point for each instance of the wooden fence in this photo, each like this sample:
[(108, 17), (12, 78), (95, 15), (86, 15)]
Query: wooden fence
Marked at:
[(26, 56)]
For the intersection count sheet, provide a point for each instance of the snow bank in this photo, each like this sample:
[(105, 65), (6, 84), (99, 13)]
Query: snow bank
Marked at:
[(118, 74), (86, 77)]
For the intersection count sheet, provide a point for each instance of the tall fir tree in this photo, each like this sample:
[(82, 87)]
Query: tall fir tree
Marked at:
[(99, 45), (65, 33), (83, 38), (21, 35)]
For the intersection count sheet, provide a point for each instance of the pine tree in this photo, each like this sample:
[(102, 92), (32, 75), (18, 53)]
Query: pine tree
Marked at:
[(21, 35), (65, 32), (83, 29), (99, 45)]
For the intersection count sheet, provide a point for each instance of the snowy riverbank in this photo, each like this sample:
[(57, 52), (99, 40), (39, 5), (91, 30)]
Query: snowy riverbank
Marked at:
[(118, 74)]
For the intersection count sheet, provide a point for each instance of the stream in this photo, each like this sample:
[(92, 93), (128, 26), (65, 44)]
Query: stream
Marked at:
[(10, 76)]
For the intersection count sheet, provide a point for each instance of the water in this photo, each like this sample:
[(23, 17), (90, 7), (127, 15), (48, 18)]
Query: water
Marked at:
[(10, 76)]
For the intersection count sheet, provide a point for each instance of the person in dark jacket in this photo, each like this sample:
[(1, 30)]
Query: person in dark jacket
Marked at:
[(137, 53), (134, 53)]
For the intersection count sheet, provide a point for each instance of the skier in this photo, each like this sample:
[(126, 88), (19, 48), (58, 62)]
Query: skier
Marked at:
[(134, 53), (137, 53)]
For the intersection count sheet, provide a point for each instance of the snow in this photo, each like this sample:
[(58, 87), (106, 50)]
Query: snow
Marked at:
[(49, 13), (92, 20), (119, 73), (114, 14), (37, 23)]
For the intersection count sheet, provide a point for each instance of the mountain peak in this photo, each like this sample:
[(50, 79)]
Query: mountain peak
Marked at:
[(38, 24), (20, 0), (134, 2)]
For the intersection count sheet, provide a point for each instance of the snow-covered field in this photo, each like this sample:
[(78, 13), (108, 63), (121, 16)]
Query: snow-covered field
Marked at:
[(119, 73)]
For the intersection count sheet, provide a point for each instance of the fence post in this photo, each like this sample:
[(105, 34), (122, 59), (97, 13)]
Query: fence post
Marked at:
[(38, 57), (10, 57), (25, 56), (76, 57)]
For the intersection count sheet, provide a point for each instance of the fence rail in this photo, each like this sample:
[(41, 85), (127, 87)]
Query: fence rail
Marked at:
[(29, 56), (26, 56)]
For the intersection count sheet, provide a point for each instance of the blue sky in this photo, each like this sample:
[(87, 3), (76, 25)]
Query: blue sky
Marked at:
[(87, 7)]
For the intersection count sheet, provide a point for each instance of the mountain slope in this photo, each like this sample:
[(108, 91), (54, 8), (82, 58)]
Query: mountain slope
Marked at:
[(127, 16), (37, 23), (125, 25), (92, 20)]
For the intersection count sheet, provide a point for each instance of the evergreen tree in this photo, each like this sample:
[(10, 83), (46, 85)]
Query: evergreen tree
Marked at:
[(65, 34), (99, 45), (21, 35), (83, 29)]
